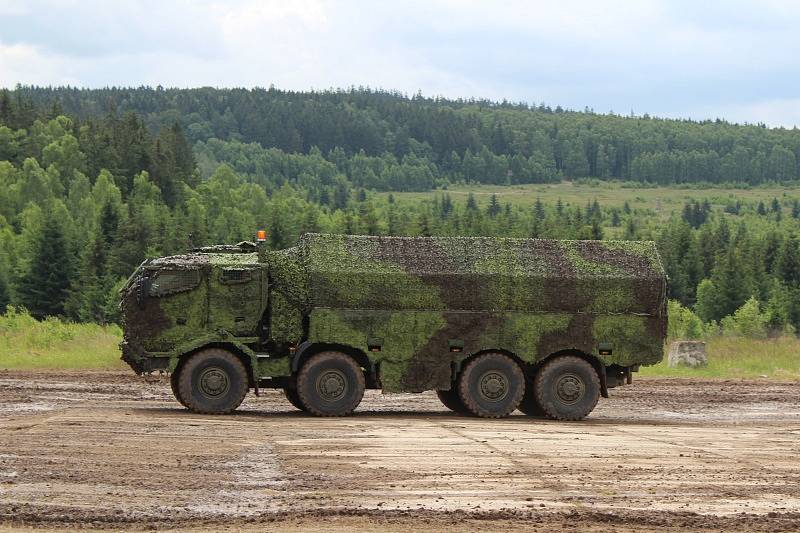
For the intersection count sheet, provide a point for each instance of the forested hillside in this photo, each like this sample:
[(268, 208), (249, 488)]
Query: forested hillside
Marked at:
[(413, 143), (92, 182)]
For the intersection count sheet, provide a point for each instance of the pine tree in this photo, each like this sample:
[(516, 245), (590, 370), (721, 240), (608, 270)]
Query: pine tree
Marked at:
[(472, 205), (6, 113), (5, 296), (447, 206), (538, 209), (597, 230), (44, 287), (787, 262), (493, 209), (729, 279)]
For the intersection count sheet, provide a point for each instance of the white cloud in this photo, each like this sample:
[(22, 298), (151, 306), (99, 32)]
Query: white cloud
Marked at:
[(665, 57), (26, 64)]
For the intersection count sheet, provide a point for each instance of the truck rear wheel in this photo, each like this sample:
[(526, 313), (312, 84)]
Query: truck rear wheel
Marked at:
[(567, 388), (451, 400), (330, 384), (491, 385), (294, 398), (529, 404), (213, 381)]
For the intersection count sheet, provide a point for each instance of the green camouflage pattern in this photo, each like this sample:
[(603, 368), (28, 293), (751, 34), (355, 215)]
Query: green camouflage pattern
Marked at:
[(414, 306)]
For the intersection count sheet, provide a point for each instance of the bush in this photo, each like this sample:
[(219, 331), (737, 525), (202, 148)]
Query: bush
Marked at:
[(747, 321), (683, 323)]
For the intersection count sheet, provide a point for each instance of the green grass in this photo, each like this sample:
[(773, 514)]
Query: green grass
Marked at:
[(661, 200), (735, 357), (26, 343)]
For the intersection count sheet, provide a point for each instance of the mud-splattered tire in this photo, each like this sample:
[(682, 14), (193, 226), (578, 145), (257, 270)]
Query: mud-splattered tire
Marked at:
[(567, 388), (294, 398), (174, 385), (529, 404), (213, 381), (451, 400), (330, 384), (491, 385)]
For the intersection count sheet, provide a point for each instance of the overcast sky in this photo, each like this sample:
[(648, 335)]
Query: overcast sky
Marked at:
[(733, 59)]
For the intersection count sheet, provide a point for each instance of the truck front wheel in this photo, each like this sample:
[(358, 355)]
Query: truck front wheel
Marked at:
[(212, 381), (567, 388), (491, 385), (330, 384)]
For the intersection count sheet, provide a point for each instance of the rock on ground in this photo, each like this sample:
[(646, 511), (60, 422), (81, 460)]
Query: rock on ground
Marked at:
[(688, 353)]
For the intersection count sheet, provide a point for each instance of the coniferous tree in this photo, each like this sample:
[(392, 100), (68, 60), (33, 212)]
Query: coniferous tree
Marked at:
[(493, 209), (44, 287), (5, 296), (472, 205)]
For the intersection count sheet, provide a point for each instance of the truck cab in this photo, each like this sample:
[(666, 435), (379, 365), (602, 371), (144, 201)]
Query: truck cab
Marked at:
[(172, 305)]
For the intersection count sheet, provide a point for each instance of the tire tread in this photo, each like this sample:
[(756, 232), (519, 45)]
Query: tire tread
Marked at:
[(303, 377), (469, 402), (540, 384), (185, 380)]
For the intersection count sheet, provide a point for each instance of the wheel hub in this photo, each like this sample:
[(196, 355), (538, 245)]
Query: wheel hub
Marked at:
[(331, 385), (493, 386), (214, 382), (570, 388)]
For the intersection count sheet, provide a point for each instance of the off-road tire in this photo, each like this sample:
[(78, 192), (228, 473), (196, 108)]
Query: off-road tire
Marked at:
[(491, 385), (174, 385), (451, 400), (294, 398), (529, 404), (567, 388), (213, 382), (330, 384)]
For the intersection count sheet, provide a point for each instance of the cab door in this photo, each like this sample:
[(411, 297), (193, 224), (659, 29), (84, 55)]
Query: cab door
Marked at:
[(236, 299)]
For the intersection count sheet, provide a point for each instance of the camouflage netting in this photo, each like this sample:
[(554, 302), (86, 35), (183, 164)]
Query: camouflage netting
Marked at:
[(408, 301), (489, 274)]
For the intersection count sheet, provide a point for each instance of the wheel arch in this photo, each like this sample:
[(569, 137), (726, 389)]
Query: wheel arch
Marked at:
[(461, 363), (307, 350), (238, 351), (593, 360)]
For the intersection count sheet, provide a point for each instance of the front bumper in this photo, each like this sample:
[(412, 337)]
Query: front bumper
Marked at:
[(141, 362)]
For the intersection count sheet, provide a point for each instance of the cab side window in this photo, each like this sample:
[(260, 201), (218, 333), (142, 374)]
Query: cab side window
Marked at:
[(166, 282)]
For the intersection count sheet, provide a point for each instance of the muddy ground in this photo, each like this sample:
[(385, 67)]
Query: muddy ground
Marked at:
[(114, 451)]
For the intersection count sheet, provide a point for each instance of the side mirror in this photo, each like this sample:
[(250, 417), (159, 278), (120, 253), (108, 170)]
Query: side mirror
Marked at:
[(143, 288)]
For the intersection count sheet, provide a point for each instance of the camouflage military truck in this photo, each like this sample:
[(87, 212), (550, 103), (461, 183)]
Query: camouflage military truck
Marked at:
[(490, 324)]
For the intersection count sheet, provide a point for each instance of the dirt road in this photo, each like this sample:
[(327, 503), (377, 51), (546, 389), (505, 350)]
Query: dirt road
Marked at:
[(110, 450)]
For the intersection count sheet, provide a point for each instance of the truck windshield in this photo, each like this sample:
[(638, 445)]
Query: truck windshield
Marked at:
[(171, 281)]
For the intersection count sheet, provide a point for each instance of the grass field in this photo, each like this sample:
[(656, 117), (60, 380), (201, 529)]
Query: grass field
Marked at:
[(734, 357), (26, 343), (661, 200)]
